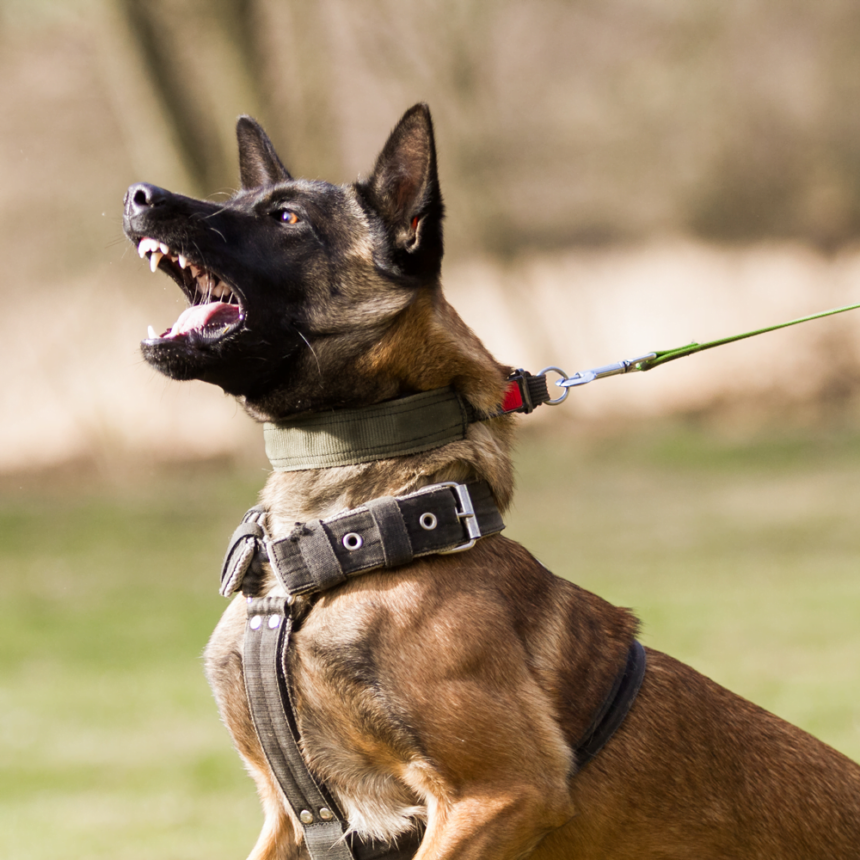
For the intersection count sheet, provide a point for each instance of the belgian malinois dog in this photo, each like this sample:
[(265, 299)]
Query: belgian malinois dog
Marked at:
[(446, 696)]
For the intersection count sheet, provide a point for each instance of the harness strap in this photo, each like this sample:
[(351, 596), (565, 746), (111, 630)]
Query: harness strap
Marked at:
[(384, 533), (615, 707), (242, 550), (267, 686), (266, 638)]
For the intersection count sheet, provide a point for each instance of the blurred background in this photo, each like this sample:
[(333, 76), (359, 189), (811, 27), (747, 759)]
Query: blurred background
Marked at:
[(620, 176)]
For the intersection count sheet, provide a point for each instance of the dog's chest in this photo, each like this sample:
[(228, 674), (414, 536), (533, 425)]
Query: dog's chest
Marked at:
[(348, 725)]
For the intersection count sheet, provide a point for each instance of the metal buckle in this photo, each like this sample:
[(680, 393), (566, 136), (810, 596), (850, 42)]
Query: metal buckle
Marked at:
[(467, 513)]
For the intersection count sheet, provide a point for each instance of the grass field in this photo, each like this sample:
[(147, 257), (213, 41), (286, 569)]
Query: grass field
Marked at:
[(740, 558)]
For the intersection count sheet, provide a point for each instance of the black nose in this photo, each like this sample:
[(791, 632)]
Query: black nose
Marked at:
[(141, 197)]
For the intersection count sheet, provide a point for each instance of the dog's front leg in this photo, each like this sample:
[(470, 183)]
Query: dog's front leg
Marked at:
[(490, 824), (496, 773), (277, 840)]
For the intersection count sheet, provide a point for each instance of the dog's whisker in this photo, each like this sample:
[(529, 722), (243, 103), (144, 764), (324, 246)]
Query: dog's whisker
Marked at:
[(313, 351), (213, 214)]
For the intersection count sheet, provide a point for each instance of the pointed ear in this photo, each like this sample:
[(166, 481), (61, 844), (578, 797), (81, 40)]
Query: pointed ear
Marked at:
[(404, 187), (259, 164)]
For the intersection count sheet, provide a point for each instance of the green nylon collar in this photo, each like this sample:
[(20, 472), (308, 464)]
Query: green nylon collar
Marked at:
[(350, 436)]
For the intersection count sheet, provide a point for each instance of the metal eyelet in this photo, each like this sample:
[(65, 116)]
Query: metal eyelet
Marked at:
[(428, 521), (352, 541), (256, 622)]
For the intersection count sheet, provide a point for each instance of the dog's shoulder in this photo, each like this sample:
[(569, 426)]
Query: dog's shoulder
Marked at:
[(493, 618)]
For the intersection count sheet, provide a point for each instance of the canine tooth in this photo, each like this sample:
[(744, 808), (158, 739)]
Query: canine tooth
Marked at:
[(195, 270), (165, 249), (154, 260), (182, 261), (151, 332)]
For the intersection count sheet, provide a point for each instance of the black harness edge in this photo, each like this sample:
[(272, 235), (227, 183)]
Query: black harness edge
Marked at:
[(617, 704)]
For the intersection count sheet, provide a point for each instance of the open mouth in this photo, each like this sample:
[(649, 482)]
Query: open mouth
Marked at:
[(215, 310)]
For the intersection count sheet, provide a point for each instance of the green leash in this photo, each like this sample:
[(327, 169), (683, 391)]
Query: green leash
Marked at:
[(657, 358)]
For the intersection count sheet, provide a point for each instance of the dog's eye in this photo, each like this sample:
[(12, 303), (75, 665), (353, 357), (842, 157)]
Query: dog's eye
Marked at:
[(287, 216)]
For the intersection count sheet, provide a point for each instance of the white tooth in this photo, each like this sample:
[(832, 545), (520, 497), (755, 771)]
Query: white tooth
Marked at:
[(164, 248), (146, 244), (182, 262), (151, 332), (154, 260)]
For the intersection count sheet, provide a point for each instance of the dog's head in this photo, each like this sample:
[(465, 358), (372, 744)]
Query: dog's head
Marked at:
[(295, 286)]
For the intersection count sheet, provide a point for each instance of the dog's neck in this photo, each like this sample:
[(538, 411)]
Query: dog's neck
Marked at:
[(449, 355), (299, 496)]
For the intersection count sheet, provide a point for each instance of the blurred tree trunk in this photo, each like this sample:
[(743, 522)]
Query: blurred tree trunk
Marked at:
[(301, 88), (148, 132), (208, 62), (190, 98), (450, 49)]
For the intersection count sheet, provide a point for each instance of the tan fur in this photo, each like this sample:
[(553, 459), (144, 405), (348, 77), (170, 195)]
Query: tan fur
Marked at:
[(487, 670)]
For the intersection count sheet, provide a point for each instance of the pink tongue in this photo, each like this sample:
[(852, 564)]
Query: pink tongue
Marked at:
[(200, 316)]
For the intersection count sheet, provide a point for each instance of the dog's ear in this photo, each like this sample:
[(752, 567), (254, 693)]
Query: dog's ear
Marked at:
[(259, 164), (404, 189)]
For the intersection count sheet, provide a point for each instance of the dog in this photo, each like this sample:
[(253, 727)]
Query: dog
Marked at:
[(444, 700)]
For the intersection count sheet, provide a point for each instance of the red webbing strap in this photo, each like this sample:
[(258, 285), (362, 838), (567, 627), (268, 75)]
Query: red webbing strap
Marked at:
[(524, 393)]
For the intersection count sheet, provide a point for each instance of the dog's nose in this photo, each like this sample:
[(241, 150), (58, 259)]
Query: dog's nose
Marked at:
[(141, 196)]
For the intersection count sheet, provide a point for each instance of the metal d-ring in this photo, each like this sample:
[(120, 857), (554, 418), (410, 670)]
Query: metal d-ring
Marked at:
[(565, 391)]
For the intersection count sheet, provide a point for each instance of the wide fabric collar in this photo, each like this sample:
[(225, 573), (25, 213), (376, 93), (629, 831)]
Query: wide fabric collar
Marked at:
[(396, 428)]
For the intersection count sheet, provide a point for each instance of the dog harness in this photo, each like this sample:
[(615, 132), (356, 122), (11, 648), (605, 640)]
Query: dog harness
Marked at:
[(384, 533)]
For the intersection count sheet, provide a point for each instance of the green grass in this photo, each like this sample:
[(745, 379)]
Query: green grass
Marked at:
[(740, 558), (109, 739)]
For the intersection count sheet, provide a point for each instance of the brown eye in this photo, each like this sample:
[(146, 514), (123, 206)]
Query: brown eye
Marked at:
[(288, 216)]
